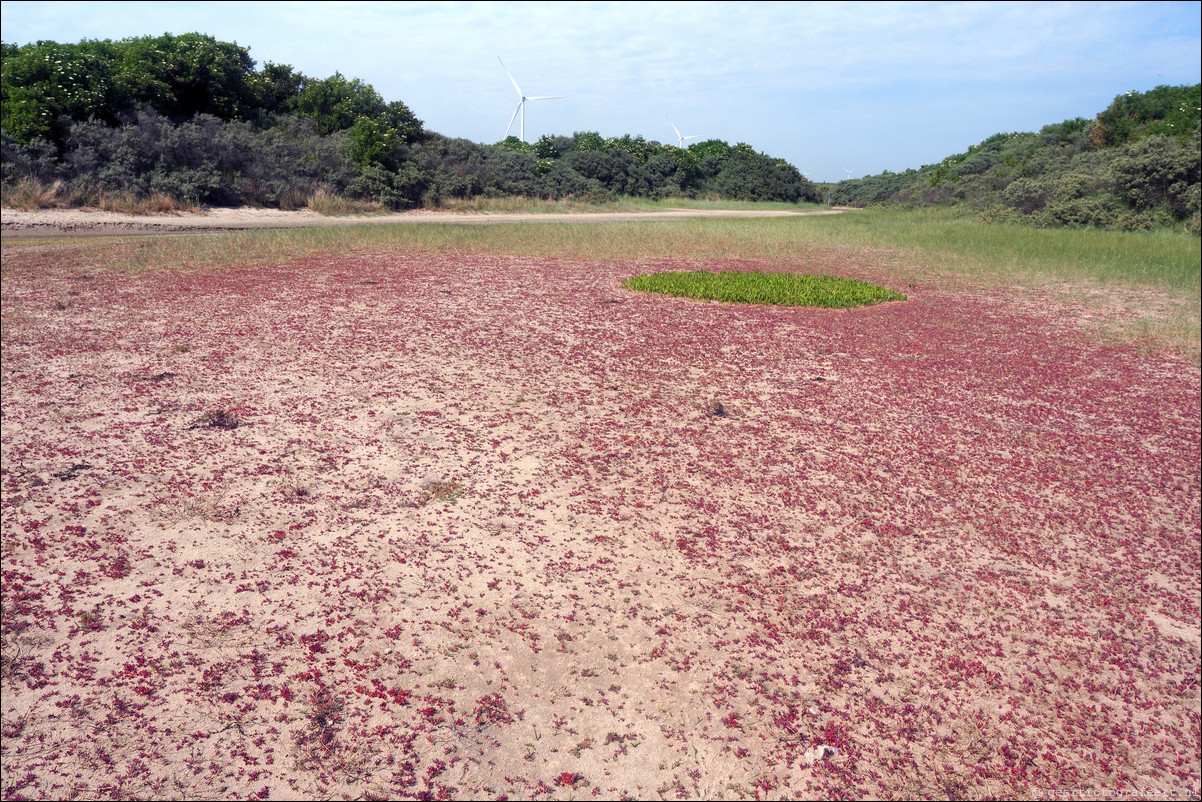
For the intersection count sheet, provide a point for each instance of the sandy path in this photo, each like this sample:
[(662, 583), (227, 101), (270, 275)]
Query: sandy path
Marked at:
[(17, 224)]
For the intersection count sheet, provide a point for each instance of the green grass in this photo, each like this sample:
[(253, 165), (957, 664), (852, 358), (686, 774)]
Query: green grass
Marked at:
[(1163, 260), (1151, 279), (512, 205), (776, 289), (959, 250), (648, 205)]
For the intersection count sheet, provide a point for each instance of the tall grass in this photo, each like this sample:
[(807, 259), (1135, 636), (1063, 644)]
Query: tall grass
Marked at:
[(30, 195), (323, 202)]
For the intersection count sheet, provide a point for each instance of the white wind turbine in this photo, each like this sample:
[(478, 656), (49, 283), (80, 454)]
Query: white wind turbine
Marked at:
[(680, 140), (522, 104), (849, 172)]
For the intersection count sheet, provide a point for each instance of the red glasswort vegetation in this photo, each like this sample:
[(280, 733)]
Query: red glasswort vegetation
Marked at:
[(940, 548)]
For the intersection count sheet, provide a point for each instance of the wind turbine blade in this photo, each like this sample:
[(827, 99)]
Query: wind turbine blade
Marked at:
[(547, 97), (514, 117), (515, 83), (674, 128)]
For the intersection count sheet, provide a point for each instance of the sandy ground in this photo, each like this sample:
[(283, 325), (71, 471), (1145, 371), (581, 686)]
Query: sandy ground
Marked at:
[(394, 526), (15, 223)]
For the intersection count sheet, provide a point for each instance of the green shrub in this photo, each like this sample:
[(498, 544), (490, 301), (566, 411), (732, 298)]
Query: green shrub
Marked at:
[(1159, 171), (1090, 212), (1136, 166), (1168, 110)]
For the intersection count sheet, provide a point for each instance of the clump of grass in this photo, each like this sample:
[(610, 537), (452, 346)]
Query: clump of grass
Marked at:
[(332, 205), (129, 203), (776, 289), (716, 409), (216, 419), (29, 195), (517, 204), (448, 492)]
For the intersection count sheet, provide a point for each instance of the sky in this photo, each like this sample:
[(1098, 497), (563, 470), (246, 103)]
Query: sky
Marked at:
[(836, 89)]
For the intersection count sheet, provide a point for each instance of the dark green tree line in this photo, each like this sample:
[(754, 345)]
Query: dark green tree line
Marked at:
[(194, 118), (1135, 166)]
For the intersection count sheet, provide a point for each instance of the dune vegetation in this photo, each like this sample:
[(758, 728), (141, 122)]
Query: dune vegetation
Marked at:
[(1135, 168), (180, 122)]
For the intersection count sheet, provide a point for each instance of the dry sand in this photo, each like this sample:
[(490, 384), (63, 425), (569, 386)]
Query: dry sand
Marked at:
[(93, 223), (391, 525)]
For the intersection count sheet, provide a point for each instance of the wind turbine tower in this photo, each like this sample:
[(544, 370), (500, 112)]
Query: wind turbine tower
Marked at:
[(521, 109)]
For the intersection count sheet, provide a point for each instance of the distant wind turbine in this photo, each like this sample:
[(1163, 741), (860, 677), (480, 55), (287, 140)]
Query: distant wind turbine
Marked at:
[(521, 104), (680, 140), (848, 174)]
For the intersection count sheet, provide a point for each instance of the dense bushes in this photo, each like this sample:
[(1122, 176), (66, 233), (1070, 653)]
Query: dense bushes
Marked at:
[(587, 167), (1135, 167), (203, 160), (191, 118), (206, 160)]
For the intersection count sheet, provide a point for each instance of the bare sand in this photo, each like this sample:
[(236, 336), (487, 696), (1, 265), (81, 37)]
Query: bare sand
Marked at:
[(18, 224)]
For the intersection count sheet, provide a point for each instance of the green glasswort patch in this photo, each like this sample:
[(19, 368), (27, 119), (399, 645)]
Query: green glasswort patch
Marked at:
[(779, 289)]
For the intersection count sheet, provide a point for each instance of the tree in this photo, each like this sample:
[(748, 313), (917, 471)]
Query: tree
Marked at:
[(640, 149), (276, 88), (588, 141), (44, 86), (336, 103), (47, 85), (404, 122), (182, 76), (374, 142)]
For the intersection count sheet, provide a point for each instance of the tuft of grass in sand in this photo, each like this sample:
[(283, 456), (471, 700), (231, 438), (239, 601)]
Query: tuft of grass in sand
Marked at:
[(335, 205), (30, 195), (448, 491)]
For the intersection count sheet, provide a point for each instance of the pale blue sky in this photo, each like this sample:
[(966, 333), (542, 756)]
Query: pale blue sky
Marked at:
[(830, 87)]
